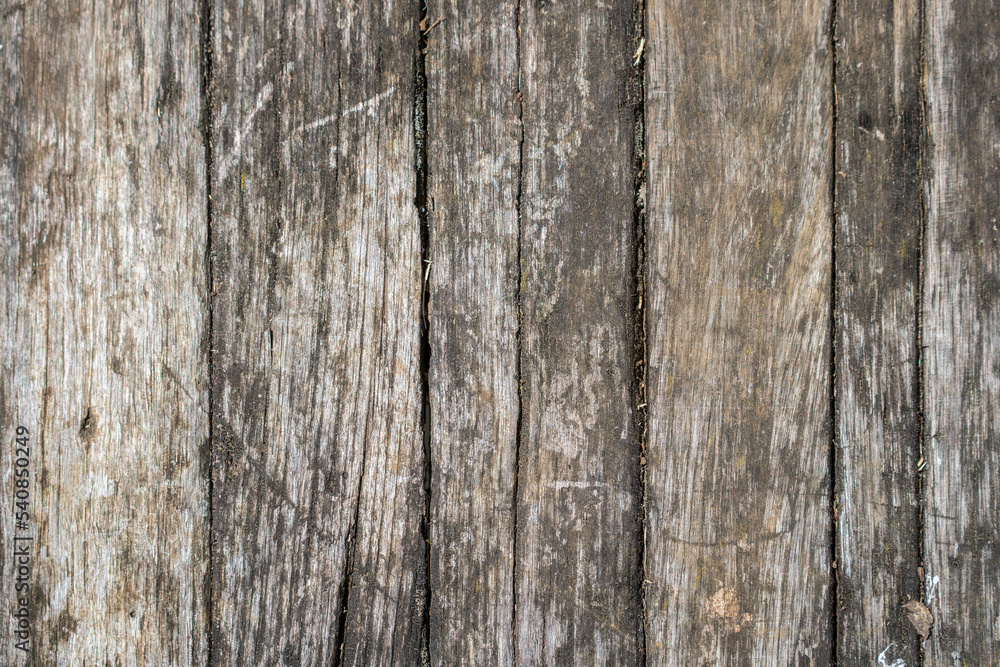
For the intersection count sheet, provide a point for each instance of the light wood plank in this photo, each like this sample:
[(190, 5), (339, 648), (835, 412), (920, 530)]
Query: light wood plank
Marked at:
[(962, 332), (104, 330), (879, 118), (579, 499), (739, 236), (318, 476), (474, 132)]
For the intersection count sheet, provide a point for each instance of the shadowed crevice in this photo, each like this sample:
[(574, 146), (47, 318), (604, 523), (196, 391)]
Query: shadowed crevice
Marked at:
[(420, 201), (834, 600), (519, 335), (207, 126), (638, 306), (918, 478)]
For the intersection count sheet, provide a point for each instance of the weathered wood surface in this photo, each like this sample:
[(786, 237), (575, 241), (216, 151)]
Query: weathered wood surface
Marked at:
[(961, 332), (878, 194), (578, 570), (217, 279), (318, 556), (738, 124), (473, 165), (104, 331)]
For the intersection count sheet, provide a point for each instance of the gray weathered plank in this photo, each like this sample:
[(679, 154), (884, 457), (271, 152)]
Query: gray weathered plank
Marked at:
[(962, 332), (474, 132), (578, 565), (104, 330), (318, 452), (738, 127), (878, 185)]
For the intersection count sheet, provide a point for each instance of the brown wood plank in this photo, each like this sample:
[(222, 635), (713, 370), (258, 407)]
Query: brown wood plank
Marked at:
[(738, 144), (578, 566), (961, 326), (104, 331), (318, 468), (474, 132), (878, 132)]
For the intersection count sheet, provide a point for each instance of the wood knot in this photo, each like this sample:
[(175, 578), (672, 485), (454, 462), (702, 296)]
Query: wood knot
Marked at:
[(724, 607), (88, 427)]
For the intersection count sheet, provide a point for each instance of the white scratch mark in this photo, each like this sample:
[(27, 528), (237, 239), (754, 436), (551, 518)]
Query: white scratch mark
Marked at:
[(931, 587), (367, 105), (898, 662), (263, 97), (574, 485)]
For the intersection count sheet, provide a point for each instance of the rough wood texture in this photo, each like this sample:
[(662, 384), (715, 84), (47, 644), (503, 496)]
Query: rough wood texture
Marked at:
[(104, 330), (962, 332), (473, 162), (578, 508), (878, 134), (318, 450), (739, 241)]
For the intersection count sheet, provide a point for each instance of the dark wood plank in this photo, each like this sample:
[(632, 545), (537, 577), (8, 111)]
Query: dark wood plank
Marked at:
[(878, 132), (739, 235), (961, 326), (474, 132), (104, 346), (579, 501), (318, 446)]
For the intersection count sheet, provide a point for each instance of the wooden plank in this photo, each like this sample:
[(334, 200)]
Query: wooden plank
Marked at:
[(961, 325), (474, 132), (318, 447), (104, 354), (578, 556), (738, 127), (879, 117)]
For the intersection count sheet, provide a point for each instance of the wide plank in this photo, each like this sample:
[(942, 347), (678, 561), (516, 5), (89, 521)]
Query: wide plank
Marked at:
[(473, 162), (578, 557), (961, 332), (104, 334), (318, 501), (878, 237), (738, 141)]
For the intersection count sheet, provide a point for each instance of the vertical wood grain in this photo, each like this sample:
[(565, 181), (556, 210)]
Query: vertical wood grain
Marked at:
[(474, 133), (962, 332), (318, 446), (579, 502), (104, 330), (738, 127), (878, 132)]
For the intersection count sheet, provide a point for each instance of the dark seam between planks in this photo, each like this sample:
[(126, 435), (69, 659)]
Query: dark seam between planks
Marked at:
[(918, 481), (207, 120), (639, 331), (423, 275), (834, 601), (518, 335)]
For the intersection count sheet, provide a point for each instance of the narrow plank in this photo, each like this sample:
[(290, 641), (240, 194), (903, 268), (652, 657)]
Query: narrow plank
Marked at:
[(878, 132), (961, 325), (739, 236), (578, 558), (104, 354), (474, 132), (318, 451)]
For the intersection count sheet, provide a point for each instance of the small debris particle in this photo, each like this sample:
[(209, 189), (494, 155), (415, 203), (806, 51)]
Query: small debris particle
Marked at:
[(638, 53), (920, 617)]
